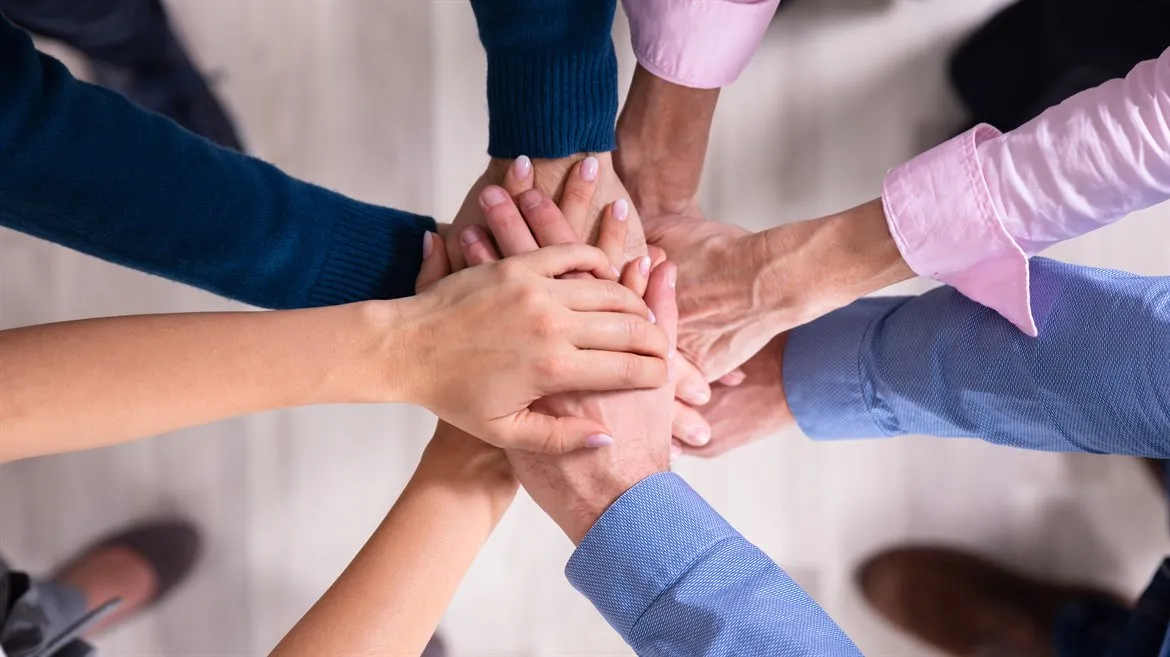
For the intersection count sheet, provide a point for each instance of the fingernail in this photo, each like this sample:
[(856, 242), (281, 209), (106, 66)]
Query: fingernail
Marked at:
[(672, 278), (493, 196), (428, 244), (598, 440), (522, 167), (653, 319), (644, 266), (616, 272), (621, 209), (589, 169), (530, 199), (675, 452), (469, 236), (698, 435)]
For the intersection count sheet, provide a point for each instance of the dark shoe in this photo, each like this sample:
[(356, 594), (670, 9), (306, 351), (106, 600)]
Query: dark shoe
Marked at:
[(141, 565), (964, 605), (435, 648), (173, 87)]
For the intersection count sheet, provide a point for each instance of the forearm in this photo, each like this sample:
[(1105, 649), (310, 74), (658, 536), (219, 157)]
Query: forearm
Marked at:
[(90, 383), (392, 596), (662, 138), (1094, 380), (826, 263), (168, 202)]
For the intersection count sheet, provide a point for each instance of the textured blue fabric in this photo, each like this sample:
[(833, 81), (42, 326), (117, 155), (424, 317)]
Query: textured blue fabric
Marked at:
[(1096, 379), (83, 167), (552, 80), (674, 579)]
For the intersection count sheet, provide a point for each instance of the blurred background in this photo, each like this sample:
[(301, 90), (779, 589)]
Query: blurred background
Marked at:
[(383, 100)]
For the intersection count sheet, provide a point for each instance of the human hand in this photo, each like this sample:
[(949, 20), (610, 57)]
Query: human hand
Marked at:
[(577, 488), (461, 461), (480, 368), (583, 212), (543, 222), (737, 290), (742, 414)]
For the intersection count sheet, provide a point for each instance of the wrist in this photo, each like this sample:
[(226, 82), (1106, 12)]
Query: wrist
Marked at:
[(465, 466), (662, 137), (588, 506), (381, 368), (823, 264)]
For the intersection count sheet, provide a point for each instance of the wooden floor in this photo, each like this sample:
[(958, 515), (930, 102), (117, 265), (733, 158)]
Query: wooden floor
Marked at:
[(383, 100)]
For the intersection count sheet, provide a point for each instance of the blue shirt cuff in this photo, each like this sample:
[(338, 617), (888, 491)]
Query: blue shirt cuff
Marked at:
[(824, 378), (642, 545)]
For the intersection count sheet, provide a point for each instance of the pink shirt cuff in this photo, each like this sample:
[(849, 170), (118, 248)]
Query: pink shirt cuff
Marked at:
[(704, 44), (943, 220)]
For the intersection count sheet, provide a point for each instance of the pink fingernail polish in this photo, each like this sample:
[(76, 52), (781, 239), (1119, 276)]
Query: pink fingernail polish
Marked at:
[(616, 272), (644, 266), (493, 196), (672, 278), (698, 435), (653, 319), (621, 209), (522, 167), (428, 244), (598, 440), (468, 236), (589, 169)]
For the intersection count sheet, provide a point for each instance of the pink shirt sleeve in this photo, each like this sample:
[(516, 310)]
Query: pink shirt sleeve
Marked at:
[(698, 43), (969, 213)]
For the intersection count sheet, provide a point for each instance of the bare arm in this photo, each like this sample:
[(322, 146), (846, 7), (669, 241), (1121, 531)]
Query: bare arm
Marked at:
[(96, 382), (394, 592)]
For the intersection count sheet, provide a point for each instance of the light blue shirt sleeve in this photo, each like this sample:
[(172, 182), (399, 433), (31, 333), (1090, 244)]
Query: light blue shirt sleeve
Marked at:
[(1096, 379), (674, 579)]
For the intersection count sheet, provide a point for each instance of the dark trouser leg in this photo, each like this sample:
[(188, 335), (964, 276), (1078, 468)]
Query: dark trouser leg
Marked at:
[(125, 33), (38, 611)]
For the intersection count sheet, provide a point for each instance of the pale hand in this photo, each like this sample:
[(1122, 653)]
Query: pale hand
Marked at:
[(486, 343), (751, 411)]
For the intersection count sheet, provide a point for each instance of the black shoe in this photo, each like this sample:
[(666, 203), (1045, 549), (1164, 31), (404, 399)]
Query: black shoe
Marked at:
[(173, 87)]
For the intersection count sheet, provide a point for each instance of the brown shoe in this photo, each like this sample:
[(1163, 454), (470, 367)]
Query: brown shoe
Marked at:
[(964, 605), (140, 565)]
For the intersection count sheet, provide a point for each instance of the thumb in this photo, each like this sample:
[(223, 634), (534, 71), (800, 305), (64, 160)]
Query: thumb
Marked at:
[(435, 264), (537, 432), (661, 300)]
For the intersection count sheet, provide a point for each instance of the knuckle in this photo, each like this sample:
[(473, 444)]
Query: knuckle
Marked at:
[(551, 367), (577, 195), (511, 270)]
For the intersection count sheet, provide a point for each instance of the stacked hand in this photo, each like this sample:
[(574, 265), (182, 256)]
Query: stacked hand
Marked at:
[(493, 340), (575, 489)]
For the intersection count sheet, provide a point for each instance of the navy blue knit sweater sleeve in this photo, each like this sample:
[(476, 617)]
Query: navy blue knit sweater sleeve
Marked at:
[(552, 81), (83, 167)]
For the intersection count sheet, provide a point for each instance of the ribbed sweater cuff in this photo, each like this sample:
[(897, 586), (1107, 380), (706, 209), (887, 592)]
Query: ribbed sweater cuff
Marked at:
[(375, 253), (552, 105)]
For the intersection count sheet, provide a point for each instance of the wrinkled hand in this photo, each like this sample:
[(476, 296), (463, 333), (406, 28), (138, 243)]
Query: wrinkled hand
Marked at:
[(582, 210), (727, 310), (489, 342), (751, 411)]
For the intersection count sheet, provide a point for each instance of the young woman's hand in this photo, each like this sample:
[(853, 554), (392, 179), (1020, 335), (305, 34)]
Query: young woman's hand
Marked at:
[(485, 343)]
